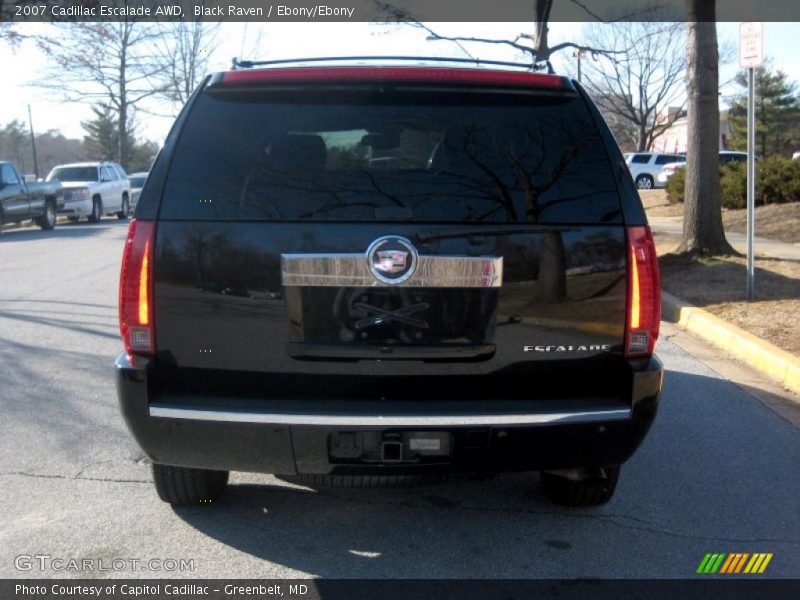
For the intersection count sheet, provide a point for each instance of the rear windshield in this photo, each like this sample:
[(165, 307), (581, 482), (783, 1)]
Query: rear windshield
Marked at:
[(422, 157), (73, 174)]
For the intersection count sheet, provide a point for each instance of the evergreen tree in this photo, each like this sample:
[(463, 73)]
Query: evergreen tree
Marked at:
[(101, 141), (777, 114), (15, 145)]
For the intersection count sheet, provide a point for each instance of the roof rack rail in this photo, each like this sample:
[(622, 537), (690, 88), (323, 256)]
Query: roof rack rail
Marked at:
[(532, 66)]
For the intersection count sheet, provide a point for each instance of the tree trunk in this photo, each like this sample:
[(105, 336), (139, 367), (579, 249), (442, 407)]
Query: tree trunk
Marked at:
[(702, 214), (541, 9), (642, 145), (123, 100)]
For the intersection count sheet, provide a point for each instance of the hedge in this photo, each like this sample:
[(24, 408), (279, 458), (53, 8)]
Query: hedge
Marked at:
[(777, 180)]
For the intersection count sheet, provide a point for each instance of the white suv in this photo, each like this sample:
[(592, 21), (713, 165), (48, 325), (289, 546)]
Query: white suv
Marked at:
[(92, 189), (645, 167), (725, 157)]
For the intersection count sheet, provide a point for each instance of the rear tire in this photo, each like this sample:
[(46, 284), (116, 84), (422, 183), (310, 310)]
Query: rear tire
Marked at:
[(645, 182), (48, 220), (97, 210), (126, 209), (594, 490), (181, 486)]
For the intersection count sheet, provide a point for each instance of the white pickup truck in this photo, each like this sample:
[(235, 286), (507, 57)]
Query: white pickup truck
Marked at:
[(92, 189)]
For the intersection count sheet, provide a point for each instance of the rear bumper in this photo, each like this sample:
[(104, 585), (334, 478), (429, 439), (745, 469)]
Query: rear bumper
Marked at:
[(303, 436)]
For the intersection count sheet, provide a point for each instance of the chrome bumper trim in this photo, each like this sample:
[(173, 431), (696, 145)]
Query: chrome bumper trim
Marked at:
[(352, 270), (418, 420)]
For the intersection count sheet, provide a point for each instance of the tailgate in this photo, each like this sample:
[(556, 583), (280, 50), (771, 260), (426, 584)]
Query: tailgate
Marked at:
[(389, 228)]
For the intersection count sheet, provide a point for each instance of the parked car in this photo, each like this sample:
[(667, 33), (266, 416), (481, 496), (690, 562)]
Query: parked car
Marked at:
[(645, 167), (289, 307), (20, 200), (92, 189), (725, 157), (137, 183)]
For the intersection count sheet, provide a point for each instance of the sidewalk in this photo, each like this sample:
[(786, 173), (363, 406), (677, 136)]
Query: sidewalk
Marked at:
[(673, 226)]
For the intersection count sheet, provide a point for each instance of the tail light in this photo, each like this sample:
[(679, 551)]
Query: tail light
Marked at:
[(136, 289), (644, 293)]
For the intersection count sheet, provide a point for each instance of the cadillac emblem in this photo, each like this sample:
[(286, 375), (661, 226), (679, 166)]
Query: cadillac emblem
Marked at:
[(391, 259)]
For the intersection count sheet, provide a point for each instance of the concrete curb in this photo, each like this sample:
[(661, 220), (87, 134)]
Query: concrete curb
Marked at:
[(759, 354)]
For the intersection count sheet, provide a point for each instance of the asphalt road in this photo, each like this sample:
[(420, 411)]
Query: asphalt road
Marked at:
[(718, 473)]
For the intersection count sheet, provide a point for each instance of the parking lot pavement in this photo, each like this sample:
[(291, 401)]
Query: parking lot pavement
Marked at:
[(718, 472)]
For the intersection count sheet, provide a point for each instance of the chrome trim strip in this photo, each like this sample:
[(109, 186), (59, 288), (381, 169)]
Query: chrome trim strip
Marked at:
[(418, 420), (352, 270)]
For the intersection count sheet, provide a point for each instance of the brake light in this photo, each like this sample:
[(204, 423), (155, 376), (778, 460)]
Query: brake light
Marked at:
[(136, 288), (393, 74), (644, 293)]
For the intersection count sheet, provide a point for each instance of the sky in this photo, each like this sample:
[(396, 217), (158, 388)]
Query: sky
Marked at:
[(23, 66)]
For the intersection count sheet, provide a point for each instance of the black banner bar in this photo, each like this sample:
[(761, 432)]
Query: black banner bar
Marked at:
[(744, 587), (330, 11)]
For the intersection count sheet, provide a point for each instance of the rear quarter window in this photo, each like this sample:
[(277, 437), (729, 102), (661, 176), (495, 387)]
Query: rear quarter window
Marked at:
[(424, 156)]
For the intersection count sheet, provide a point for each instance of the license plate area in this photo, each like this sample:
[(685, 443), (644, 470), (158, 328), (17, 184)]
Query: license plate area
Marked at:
[(391, 317), (381, 447)]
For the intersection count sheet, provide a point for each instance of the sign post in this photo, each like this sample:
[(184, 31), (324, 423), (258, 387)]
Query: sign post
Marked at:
[(751, 56)]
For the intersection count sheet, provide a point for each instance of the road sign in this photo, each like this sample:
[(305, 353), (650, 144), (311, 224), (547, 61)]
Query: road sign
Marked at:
[(751, 45)]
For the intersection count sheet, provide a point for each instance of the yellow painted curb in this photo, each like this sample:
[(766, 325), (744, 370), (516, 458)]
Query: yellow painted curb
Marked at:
[(767, 358)]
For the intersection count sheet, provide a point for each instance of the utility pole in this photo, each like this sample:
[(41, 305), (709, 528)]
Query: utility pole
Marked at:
[(577, 54), (33, 144)]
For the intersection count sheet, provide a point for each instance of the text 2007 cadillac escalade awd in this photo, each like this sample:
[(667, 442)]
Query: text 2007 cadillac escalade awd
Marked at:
[(380, 274)]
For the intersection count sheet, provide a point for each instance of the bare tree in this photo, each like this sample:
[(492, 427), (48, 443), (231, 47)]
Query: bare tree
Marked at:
[(7, 32), (535, 46), (109, 62), (9, 35), (184, 51), (703, 233), (644, 79)]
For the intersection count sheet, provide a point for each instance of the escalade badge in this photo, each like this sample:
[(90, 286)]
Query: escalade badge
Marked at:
[(391, 259)]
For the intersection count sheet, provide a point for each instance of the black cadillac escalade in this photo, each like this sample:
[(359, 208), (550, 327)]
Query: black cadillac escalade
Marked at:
[(378, 274)]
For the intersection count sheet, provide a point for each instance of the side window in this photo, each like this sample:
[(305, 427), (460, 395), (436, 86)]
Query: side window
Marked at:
[(9, 176), (120, 171), (663, 159), (110, 174), (641, 159)]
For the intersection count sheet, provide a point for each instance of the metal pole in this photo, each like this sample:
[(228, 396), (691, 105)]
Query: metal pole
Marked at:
[(580, 53), (33, 144), (751, 180)]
